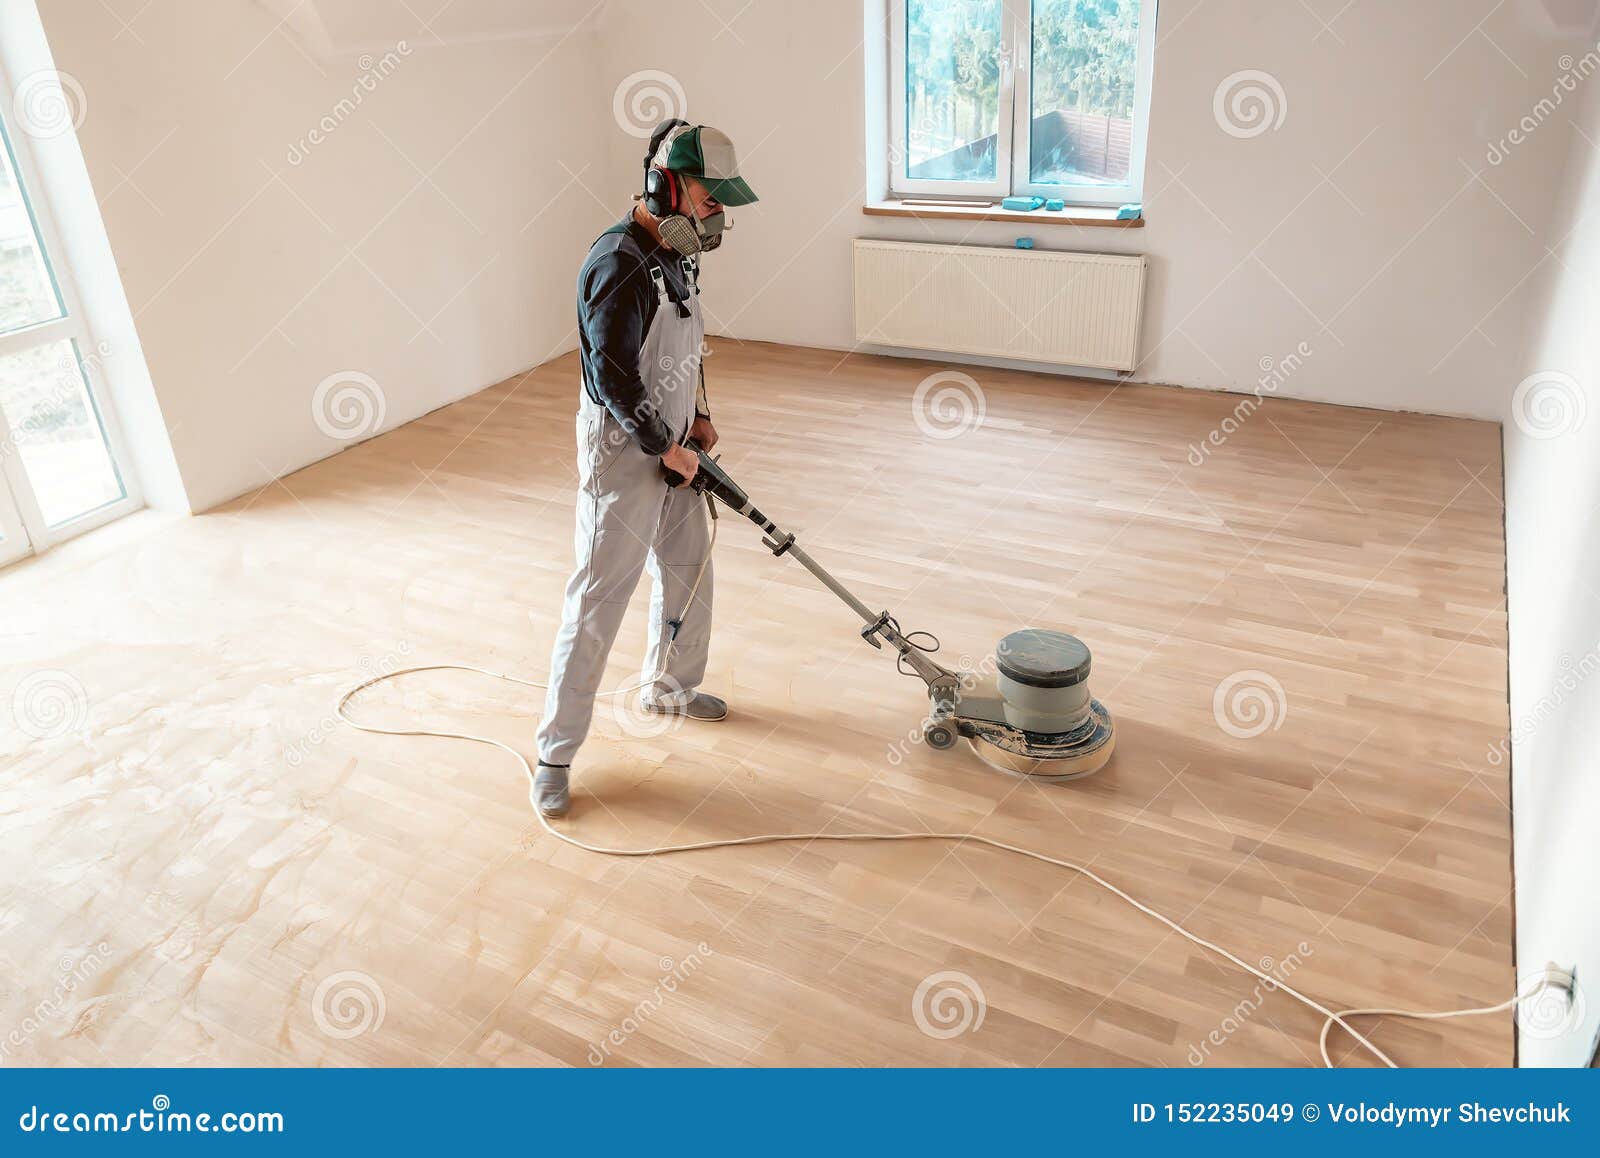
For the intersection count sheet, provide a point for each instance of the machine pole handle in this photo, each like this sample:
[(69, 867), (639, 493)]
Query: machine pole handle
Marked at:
[(712, 481)]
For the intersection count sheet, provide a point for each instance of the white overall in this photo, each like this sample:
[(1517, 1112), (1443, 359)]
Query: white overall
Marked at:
[(627, 517)]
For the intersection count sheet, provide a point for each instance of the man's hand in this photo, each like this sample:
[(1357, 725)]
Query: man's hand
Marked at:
[(704, 433), (683, 460)]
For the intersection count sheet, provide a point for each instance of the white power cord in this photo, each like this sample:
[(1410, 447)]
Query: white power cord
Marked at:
[(1534, 990), (1330, 1017)]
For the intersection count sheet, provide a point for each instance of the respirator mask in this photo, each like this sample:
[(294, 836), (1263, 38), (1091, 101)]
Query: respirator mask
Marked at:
[(668, 201)]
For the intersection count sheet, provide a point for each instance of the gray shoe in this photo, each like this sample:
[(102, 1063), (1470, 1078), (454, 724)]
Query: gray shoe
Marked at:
[(549, 793), (702, 707)]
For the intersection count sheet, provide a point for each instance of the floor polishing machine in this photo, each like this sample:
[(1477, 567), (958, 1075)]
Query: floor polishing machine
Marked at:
[(1032, 715)]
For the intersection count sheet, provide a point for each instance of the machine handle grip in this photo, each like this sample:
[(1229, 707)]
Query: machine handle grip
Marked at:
[(673, 478)]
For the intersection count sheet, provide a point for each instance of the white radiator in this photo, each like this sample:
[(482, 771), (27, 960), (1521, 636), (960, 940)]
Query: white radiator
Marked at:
[(1077, 309)]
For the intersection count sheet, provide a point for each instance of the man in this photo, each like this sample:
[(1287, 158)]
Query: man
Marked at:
[(641, 338)]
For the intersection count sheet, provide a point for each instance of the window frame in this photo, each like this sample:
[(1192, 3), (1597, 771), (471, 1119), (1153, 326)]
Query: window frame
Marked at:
[(1013, 146), (72, 326), (14, 541)]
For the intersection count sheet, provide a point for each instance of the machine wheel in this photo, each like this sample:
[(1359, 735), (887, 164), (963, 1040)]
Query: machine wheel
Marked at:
[(939, 736)]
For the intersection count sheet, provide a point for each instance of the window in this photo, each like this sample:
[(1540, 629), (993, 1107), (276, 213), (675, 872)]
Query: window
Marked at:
[(991, 98), (59, 471)]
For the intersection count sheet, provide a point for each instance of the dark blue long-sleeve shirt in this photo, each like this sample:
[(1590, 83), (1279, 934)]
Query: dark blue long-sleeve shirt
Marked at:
[(616, 305)]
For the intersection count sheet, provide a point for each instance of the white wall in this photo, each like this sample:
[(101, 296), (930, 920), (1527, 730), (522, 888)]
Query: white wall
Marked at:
[(429, 242), (1400, 270), (1553, 544)]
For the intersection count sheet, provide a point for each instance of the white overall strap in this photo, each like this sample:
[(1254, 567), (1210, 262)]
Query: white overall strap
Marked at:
[(664, 296), (669, 359)]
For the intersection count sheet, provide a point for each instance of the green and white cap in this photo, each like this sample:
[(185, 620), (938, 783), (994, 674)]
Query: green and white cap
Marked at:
[(706, 153)]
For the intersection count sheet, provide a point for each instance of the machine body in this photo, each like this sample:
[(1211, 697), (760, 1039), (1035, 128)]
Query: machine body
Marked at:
[(1032, 715)]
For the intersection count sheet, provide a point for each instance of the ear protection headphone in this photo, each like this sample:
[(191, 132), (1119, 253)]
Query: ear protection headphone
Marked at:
[(662, 192)]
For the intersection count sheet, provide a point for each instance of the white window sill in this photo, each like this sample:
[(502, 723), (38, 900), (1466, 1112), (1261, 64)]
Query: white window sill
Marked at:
[(1080, 215)]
